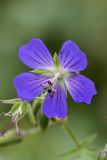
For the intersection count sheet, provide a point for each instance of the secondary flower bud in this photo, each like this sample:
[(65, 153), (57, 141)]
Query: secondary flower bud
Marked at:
[(103, 154)]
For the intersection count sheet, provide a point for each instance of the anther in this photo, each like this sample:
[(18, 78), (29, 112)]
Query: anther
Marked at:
[(50, 83), (52, 93), (49, 90)]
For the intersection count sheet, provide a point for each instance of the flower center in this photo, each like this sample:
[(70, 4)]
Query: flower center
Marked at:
[(50, 85), (58, 75)]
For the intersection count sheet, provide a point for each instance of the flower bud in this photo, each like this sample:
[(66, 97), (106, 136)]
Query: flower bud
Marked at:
[(103, 154)]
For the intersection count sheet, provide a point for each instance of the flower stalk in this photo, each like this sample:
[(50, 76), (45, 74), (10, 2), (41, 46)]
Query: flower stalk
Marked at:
[(71, 134)]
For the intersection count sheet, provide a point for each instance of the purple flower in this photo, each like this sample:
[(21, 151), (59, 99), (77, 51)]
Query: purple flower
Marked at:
[(58, 79)]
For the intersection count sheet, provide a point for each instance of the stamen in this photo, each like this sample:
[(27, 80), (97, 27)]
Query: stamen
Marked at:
[(52, 93), (49, 82), (50, 85), (49, 90)]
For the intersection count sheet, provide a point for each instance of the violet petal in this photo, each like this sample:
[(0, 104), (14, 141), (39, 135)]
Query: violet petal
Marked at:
[(80, 88), (35, 55), (72, 58), (56, 105), (28, 85)]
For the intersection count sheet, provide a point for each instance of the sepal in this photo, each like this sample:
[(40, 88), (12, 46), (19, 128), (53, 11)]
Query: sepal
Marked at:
[(31, 114), (55, 59), (40, 71), (11, 101)]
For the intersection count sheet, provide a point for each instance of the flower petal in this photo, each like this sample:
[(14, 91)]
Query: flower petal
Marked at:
[(72, 58), (36, 55), (80, 88), (28, 85), (55, 106)]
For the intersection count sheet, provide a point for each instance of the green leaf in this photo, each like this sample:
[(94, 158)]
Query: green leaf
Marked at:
[(70, 153), (82, 153), (30, 114), (89, 139), (55, 58)]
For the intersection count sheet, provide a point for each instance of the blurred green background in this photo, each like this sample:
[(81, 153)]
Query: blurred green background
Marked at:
[(55, 21)]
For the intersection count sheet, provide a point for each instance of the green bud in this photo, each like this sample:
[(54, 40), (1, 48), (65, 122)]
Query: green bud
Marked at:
[(42, 121), (19, 108), (30, 114), (15, 107), (36, 106), (103, 154)]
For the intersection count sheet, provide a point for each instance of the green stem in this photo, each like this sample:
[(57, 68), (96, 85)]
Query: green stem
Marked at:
[(71, 134)]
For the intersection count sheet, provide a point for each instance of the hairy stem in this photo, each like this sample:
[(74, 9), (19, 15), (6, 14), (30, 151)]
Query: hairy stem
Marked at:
[(71, 134)]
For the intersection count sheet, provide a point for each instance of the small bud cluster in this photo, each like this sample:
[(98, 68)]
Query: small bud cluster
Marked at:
[(18, 110)]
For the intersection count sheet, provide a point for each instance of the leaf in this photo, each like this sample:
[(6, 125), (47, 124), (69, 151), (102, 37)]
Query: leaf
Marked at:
[(30, 114), (70, 153), (82, 153), (89, 139), (55, 58)]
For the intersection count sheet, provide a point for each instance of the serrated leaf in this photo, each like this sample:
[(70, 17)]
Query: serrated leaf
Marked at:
[(70, 153), (55, 58), (81, 153), (88, 140), (30, 114)]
